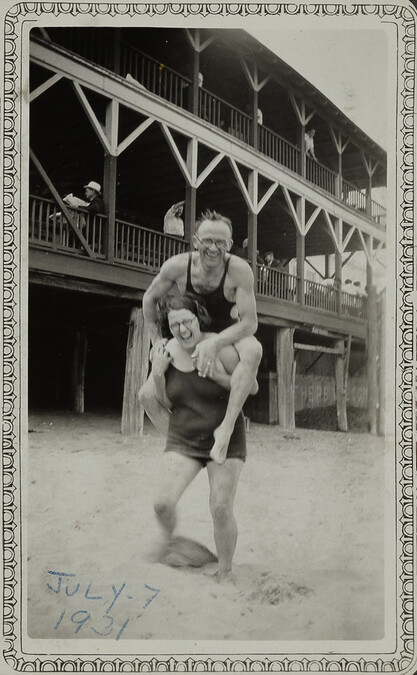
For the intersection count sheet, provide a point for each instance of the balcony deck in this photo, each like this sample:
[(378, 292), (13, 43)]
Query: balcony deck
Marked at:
[(150, 76), (137, 253)]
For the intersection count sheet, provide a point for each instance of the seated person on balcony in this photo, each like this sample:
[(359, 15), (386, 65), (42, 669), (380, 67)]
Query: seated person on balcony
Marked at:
[(173, 223), (309, 143), (225, 282), (93, 197), (94, 203)]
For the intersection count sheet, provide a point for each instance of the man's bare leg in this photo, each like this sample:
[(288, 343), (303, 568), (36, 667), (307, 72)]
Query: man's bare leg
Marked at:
[(223, 485), (241, 385), (156, 412)]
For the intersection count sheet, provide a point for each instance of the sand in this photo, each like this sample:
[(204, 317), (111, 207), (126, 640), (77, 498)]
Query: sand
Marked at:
[(309, 559)]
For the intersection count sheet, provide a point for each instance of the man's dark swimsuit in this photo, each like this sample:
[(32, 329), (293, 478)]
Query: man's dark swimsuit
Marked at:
[(217, 306)]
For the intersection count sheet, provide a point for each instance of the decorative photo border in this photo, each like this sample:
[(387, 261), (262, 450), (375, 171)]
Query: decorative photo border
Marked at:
[(14, 259)]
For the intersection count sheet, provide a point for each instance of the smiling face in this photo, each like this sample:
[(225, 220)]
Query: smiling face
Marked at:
[(185, 327), (212, 240)]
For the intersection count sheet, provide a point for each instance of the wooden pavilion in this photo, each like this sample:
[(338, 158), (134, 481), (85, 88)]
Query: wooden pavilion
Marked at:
[(214, 118)]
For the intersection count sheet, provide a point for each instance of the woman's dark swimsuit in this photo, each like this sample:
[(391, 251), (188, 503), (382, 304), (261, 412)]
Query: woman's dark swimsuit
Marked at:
[(217, 306), (198, 408)]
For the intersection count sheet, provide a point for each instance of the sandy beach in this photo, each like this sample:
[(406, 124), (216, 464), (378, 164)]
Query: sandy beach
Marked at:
[(309, 559)]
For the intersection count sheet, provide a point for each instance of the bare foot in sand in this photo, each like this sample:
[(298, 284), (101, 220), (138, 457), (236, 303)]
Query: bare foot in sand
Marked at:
[(224, 577), (221, 444)]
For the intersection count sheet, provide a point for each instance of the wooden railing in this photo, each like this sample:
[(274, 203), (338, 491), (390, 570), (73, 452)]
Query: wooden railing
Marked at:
[(321, 176), (353, 196), (274, 283), (48, 227), (224, 115), (379, 213), (93, 45), (136, 245), (154, 76), (141, 247), (281, 151), (320, 296), (353, 305)]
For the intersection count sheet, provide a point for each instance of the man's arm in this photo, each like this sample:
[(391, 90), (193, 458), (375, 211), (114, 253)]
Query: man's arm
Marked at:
[(241, 274), (160, 286)]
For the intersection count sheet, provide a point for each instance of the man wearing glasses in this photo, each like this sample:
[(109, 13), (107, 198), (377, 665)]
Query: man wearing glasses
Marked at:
[(225, 282)]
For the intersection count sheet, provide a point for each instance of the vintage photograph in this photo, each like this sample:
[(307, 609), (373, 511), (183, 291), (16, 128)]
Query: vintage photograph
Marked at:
[(210, 426)]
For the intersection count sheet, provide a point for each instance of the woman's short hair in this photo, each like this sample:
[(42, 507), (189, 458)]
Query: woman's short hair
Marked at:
[(184, 301)]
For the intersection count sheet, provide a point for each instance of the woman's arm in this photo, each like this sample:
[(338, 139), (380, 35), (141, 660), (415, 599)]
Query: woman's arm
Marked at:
[(161, 360)]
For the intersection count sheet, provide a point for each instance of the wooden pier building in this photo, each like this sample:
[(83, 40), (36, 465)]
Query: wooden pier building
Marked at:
[(214, 118)]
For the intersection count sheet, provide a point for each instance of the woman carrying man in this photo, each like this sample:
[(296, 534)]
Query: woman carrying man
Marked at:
[(197, 406)]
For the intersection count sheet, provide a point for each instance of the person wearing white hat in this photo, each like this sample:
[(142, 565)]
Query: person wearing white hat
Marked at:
[(93, 196)]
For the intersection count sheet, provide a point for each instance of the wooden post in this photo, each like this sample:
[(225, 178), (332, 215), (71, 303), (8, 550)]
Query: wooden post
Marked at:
[(190, 193), (300, 245), (110, 178), (369, 196), (255, 125), (338, 266), (382, 361), (372, 360), (285, 365), (326, 266), (137, 362), (303, 157), (193, 102), (78, 371), (341, 377), (253, 227), (117, 47)]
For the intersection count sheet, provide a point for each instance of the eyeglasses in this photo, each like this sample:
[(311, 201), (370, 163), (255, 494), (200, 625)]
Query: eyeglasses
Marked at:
[(220, 244), (174, 327)]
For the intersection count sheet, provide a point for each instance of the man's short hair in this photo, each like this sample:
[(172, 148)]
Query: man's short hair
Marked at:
[(208, 214)]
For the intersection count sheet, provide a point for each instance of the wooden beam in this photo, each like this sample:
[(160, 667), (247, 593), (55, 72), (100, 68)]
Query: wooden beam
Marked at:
[(61, 204), (191, 192), (241, 182), (340, 370), (285, 366), (136, 372), (176, 153), (44, 86), (209, 168), (92, 117), (78, 371), (312, 218), (134, 135), (268, 194), (335, 238), (319, 348), (348, 237), (372, 359), (297, 221), (80, 286)]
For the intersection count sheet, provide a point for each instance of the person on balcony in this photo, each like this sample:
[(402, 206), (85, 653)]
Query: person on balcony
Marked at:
[(309, 143), (225, 282), (173, 223), (245, 248), (93, 197)]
